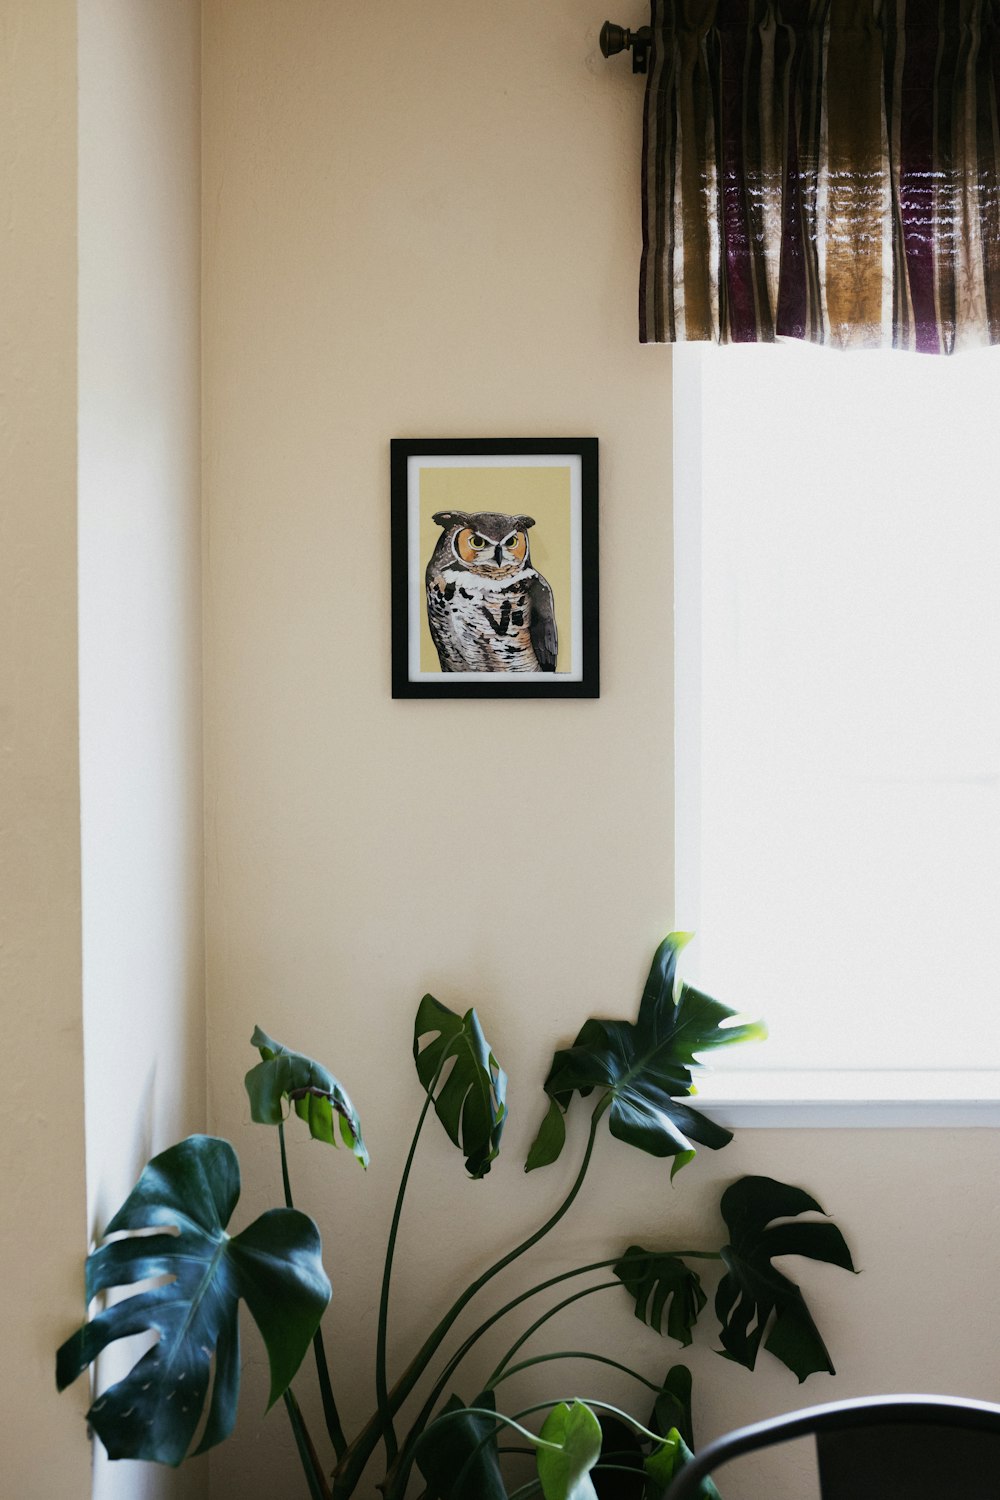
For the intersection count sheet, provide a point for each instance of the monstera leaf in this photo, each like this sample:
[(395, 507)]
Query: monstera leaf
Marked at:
[(564, 1469), (274, 1265), (316, 1096), (471, 1086), (755, 1302), (458, 1456), (653, 1280), (645, 1067)]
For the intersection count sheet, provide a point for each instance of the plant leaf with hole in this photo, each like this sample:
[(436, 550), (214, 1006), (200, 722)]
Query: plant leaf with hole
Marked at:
[(316, 1096), (653, 1280), (645, 1065), (565, 1473), (754, 1301), (274, 1265), (458, 1456), (470, 1087)]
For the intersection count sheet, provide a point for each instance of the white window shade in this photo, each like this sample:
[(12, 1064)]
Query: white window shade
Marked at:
[(838, 718)]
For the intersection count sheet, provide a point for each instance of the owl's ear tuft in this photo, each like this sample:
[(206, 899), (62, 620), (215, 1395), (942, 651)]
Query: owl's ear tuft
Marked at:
[(448, 518), (524, 523)]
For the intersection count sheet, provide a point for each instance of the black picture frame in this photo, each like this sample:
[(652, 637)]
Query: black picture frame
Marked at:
[(559, 478)]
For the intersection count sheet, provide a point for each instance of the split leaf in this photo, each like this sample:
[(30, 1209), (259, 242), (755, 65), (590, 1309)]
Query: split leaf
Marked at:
[(471, 1087), (653, 1280), (645, 1066), (316, 1096), (754, 1301), (275, 1266)]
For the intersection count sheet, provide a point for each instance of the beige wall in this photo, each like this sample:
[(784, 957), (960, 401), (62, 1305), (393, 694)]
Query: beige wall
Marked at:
[(140, 612), (43, 1224), (423, 220)]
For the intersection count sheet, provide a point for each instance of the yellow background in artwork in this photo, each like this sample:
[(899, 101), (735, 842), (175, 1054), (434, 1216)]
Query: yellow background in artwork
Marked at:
[(544, 493)]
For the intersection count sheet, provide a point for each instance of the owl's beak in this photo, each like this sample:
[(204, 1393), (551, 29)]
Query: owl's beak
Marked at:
[(498, 554)]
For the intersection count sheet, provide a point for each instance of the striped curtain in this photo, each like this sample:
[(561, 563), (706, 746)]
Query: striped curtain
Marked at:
[(825, 170)]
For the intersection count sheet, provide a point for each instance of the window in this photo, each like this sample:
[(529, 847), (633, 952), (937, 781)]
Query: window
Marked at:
[(838, 721)]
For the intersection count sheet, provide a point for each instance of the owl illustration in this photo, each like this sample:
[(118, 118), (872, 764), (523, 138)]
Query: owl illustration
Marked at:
[(488, 609)]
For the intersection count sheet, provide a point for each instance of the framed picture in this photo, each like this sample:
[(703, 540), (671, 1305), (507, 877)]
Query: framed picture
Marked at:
[(494, 568)]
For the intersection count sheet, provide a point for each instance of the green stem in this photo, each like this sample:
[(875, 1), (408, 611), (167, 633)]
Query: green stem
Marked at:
[(307, 1453), (456, 1359), (477, 1333), (286, 1181), (496, 1416), (404, 1463), (330, 1413), (601, 1359), (616, 1411), (352, 1465), (386, 1409), (529, 1411), (542, 1286), (604, 1286), (404, 1466)]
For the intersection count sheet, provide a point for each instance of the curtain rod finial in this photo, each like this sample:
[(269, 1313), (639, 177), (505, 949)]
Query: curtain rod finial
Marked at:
[(615, 39)]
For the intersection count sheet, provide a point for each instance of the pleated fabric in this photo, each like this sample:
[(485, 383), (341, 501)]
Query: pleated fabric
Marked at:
[(826, 170)]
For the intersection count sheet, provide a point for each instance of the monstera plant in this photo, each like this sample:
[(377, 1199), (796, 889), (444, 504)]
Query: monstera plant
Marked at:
[(182, 1394)]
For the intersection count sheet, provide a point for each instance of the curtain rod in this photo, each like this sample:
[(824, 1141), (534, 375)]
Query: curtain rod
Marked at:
[(616, 39)]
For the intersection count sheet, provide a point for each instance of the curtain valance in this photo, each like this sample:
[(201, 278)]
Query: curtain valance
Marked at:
[(825, 170)]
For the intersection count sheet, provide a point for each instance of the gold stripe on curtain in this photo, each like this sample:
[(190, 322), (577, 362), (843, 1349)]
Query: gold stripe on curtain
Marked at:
[(824, 170)]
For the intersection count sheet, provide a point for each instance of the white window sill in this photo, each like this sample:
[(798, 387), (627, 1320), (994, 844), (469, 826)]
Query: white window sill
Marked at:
[(859, 1099)]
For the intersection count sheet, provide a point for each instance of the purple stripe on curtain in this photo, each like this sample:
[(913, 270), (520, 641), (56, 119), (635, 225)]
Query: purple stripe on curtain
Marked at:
[(733, 20), (917, 166), (792, 293)]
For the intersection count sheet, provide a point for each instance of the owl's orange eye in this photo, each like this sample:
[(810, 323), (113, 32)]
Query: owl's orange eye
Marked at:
[(469, 545), (511, 542)]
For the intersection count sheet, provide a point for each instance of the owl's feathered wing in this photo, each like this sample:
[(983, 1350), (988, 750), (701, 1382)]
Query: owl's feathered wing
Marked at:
[(544, 635)]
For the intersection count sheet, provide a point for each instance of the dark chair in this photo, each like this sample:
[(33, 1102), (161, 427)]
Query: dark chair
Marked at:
[(877, 1448)]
